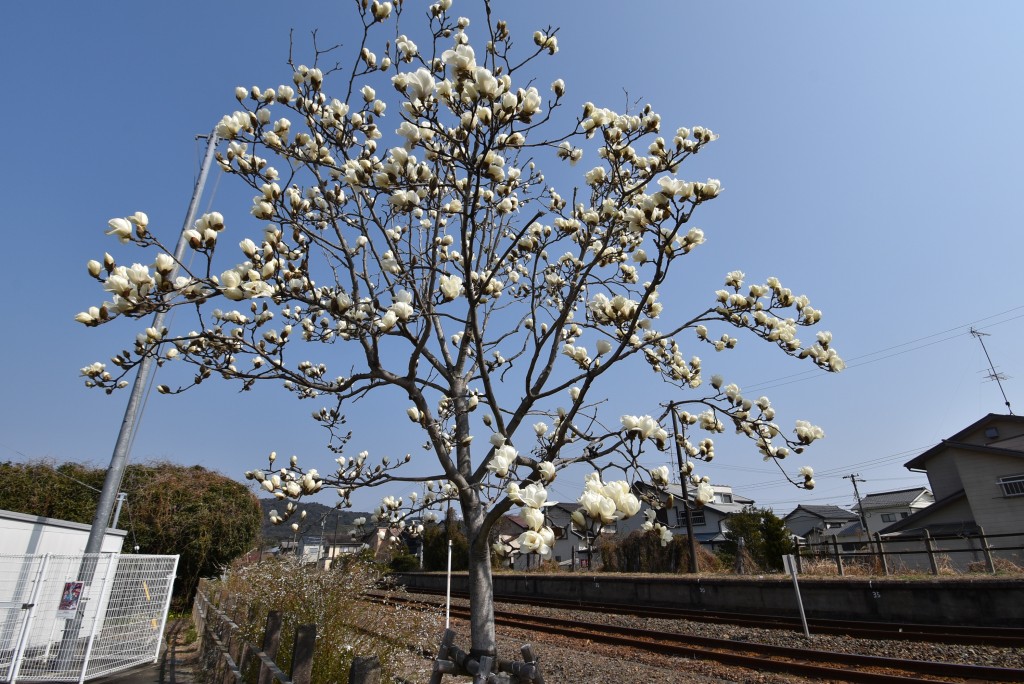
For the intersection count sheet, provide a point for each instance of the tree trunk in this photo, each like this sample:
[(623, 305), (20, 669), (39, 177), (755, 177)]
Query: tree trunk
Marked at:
[(481, 588)]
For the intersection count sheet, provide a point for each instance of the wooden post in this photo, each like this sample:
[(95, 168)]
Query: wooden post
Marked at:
[(229, 640), (799, 562), (839, 558), (930, 548), (881, 554), (530, 659), (247, 648), (365, 670), (985, 549), (302, 655), (484, 671), (442, 663), (271, 642)]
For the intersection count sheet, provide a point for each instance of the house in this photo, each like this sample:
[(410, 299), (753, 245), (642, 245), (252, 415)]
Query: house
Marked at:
[(882, 509), (977, 477), (709, 520), (815, 523)]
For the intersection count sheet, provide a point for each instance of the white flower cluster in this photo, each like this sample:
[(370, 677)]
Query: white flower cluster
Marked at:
[(605, 502), (660, 476), (532, 500), (287, 483), (703, 494), (644, 427), (121, 228), (652, 525), (503, 460), (290, 509), (823, 354), (807, 433), (807, 473), (615, 311)]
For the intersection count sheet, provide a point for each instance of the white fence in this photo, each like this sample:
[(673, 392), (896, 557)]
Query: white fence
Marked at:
[(69, 618)]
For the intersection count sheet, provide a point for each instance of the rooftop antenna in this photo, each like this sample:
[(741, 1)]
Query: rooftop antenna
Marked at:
[(992, 374)]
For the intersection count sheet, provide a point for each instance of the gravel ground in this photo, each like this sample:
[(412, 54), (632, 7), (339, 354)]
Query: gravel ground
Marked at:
[(572, 661)]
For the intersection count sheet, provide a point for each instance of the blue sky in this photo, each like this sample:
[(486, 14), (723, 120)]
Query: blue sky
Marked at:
[(870, 155)]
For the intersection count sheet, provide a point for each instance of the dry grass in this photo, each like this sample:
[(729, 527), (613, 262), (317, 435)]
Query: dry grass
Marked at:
[(347, 625)]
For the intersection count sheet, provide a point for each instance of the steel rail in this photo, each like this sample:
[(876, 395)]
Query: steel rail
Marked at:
[(1009, 637), (751, 655)]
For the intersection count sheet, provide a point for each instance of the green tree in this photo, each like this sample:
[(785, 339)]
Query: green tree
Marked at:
[(765, 538), (204, 517), (435, 545)]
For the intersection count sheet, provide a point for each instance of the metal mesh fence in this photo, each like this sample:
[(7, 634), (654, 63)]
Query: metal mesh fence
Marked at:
[(65, 618)]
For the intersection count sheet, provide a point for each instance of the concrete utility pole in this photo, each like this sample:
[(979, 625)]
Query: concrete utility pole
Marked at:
[(692, 569), (852, 477), (119, 460)]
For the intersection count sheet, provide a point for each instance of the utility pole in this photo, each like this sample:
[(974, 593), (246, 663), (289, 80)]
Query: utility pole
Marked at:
[(852, 477), (119, 459), (993, 375), (692, 569)]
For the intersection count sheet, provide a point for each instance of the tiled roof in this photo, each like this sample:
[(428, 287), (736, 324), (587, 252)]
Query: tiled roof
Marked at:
[(902, 497), (826, 512)]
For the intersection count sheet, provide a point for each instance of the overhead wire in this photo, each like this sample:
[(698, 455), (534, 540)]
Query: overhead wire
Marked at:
[(851, 362)]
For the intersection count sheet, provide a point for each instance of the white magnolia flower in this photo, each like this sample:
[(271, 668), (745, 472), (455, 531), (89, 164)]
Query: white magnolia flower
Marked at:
[(451, 286), (547, 471), (120, 228), (536, 542), (534, 495), (540, 428), (704, 494), (660, 475), (513, 492), (598, 506), (533, 517), (503, 459)]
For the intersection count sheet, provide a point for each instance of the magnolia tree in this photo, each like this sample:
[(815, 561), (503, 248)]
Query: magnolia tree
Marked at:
[(406, 238)]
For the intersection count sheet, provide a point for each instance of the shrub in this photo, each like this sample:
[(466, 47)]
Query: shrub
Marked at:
[(643, 552), (348, 625)]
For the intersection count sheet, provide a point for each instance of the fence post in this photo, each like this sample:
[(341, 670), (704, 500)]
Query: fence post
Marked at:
[(365, 670), (228, 642), (247, 648), (839, 558), (302, 654), (881, 554), (986, 550), (799, 562), (271, 642), (930, 548)]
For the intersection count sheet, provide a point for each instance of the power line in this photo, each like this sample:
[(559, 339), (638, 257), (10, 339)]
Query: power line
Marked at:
[(814, 373)]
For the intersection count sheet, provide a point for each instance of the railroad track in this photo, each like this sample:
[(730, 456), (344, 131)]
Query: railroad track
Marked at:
[(1007, 637), (825, 665)]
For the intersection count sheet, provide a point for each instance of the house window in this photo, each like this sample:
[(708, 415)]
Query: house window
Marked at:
[(722, 497), (889, 517), (904, 514), (696, 517), (1013, 485)]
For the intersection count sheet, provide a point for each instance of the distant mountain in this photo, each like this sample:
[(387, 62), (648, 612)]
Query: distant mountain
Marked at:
[(319, 519)]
